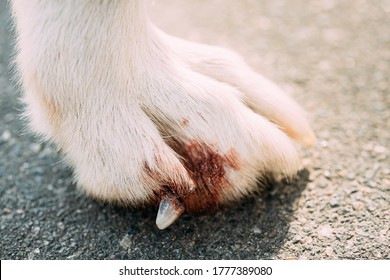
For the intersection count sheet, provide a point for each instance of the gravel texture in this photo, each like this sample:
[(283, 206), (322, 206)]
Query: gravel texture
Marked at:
[(332, 56)]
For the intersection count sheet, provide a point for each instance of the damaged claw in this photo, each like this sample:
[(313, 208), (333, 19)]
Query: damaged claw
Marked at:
[(169, 210)]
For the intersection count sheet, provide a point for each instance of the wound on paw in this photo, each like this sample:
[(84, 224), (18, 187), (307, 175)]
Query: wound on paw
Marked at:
[(207, 168)]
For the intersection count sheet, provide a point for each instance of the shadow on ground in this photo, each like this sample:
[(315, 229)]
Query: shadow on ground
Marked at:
[(254, 229), (55, 221), (44, 216)]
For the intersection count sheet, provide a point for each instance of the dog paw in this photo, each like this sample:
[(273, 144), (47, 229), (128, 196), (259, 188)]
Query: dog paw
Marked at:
[(184, 126)]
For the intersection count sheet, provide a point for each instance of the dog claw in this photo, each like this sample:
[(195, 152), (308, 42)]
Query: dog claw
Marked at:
[(169, 210)]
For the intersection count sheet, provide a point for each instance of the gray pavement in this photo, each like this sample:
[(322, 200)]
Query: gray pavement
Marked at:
[(332, 56)]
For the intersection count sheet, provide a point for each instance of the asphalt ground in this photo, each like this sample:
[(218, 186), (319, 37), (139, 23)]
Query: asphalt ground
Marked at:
[(332, 56)]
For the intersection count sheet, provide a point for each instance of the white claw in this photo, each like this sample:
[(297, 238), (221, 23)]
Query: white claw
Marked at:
[(169, 210)]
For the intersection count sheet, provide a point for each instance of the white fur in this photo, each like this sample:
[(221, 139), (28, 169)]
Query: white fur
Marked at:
[(110, 90)]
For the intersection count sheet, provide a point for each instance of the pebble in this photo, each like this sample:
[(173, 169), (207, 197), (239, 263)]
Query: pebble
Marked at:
[(334, 202), (126, 242), (357, 205), (36, 147), (326, 174), (296, 239), (371, 207), (61, 226), (306, 240), (379, 149), (341, 173), (19, 211), (309, 204), (323, 183), (325, 231), (6, 135), (36, 230)]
